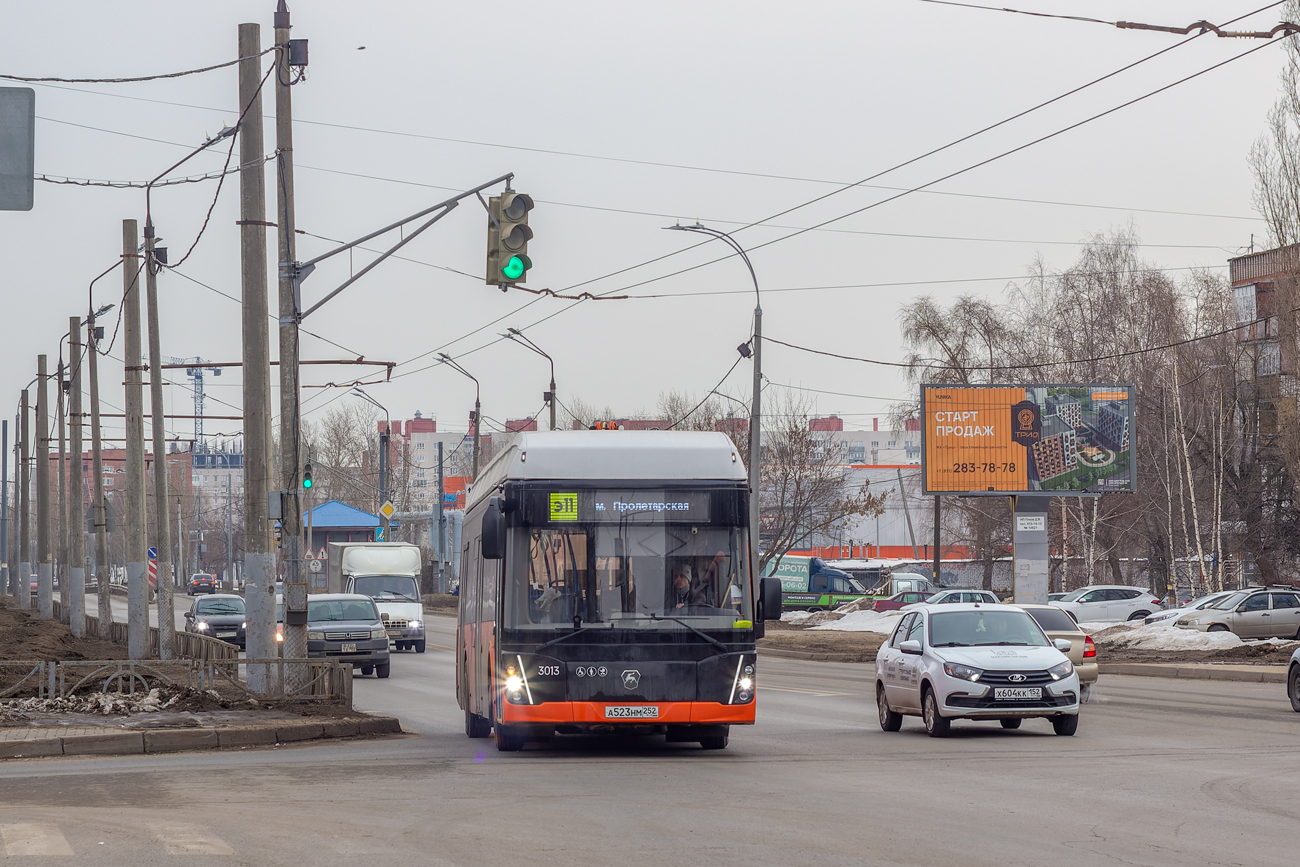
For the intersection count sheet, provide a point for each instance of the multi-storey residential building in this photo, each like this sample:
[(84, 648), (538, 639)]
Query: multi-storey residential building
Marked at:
[(1057, 451), (1066, 408), (1112, 424)]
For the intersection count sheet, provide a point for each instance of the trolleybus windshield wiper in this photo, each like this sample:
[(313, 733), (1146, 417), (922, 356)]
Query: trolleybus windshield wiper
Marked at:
[(709, 638), (578, 631)]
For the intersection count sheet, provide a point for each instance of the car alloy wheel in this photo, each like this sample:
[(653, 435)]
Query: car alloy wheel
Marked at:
[(1293, 687), (890, 720), (936, 726)]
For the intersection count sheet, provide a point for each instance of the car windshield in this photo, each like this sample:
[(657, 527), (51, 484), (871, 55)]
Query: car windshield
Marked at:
[(333, 610), (1074, 597), (221, 606), (985, 628), (1053, 620), (1232, 600), (388, 587), (1205, 601)]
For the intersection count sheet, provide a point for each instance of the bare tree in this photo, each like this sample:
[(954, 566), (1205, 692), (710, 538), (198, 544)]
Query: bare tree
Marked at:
[(806, 488)]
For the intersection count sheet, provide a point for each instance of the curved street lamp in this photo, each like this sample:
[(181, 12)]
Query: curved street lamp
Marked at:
[(478, 410), (755, 414), (518, 336)]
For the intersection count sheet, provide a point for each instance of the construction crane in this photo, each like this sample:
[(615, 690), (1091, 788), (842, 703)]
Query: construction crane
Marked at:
[(195, 372)]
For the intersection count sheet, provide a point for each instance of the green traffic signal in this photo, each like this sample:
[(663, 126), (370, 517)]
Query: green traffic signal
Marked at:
[(306, 483), (516, 267), (306, 476)]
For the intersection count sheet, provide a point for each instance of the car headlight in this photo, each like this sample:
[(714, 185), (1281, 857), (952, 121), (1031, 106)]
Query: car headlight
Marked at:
[(962, 672), (201, 626), (379, 633), (1064, 670), (315, 636), (416, 624), (244, 625)]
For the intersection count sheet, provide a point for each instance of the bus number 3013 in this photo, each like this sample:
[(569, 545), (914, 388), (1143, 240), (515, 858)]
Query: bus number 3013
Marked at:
[(548, 671), (983, 468)]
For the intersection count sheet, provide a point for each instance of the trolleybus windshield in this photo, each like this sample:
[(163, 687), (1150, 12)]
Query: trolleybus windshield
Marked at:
[(629, 559)]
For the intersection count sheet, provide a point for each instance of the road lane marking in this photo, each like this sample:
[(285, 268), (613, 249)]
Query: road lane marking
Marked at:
[(191, 840), (804, 691), (34, 839)]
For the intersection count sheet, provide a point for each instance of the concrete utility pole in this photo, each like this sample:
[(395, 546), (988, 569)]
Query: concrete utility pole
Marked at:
[(24, 506), (442, 527), (259, 555), (137, 586), (102, 568), (162, 502), (62, 569), (295, 574), (76, 501), (230, 535), (44, 552)]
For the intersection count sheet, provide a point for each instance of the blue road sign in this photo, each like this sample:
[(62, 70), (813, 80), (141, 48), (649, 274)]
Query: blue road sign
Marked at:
[(153, 553), (379, 534)]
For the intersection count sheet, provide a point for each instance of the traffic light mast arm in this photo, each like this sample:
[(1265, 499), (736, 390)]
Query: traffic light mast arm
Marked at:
[(302, 269)]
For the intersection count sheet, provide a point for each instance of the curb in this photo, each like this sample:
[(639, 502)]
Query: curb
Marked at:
[(202, 738), (1241, 674)]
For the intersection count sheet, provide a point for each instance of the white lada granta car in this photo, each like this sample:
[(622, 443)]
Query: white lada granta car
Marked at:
[(974, 661)]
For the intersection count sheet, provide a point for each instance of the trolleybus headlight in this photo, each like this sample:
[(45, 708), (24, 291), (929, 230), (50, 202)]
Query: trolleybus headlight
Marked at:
[(516, 682)]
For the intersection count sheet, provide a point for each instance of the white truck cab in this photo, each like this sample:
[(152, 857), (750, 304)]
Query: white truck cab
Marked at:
[(389, 573)]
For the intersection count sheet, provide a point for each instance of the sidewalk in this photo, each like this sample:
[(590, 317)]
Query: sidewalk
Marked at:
[(68, 735)]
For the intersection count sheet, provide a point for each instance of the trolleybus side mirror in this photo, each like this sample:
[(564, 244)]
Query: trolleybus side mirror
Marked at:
[(770, 598), (494, 531)]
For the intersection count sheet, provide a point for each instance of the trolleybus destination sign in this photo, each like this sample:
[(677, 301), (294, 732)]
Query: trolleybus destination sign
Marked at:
[(1025, 439)]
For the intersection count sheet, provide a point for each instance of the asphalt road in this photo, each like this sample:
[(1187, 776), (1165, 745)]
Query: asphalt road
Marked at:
[(1162, 772)]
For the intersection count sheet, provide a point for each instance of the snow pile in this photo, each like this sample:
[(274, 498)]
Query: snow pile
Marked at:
[(810, 618), (1138, 636), (865, 621), (106, 703), (864, 603)]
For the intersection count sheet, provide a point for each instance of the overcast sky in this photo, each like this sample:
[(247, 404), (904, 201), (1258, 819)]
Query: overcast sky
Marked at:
[(620, 119)]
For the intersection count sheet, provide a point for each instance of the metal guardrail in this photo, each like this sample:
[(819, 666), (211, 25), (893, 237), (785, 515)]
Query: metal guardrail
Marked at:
[(322, 680), (188, 645)]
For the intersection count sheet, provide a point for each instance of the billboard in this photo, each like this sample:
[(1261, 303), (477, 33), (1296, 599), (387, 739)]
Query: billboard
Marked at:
[(1027, 439)]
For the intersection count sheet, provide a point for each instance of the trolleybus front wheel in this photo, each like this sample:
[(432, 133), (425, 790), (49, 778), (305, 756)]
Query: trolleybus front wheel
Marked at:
[(508, 739)]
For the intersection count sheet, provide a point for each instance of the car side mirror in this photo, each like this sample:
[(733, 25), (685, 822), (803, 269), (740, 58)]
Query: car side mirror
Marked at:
[(769, 599), (911, 646), (189, 615), (1064, 645), (494, 531)]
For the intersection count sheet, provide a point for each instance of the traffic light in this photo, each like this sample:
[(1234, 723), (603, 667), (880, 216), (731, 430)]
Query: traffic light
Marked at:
[(306, 476), (508, 237)]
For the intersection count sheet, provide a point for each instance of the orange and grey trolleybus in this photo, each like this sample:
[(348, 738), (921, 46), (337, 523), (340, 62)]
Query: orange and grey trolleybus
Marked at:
[(606, 587)]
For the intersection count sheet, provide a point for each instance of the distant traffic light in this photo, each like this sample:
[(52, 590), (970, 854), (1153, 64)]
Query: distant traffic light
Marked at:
[(508, 237), (306, 476)]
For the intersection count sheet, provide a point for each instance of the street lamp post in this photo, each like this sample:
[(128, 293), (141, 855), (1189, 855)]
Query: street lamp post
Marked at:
[(755, 413), (518, 336), (478, 410), (383, 457)]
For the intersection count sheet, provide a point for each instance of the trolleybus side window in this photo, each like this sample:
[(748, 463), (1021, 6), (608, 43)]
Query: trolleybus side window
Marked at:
[(487, 590)]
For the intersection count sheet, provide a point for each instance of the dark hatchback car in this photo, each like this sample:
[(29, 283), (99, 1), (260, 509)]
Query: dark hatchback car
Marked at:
[(219, 616), (201, 582), (898, 600), (347, 627)]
